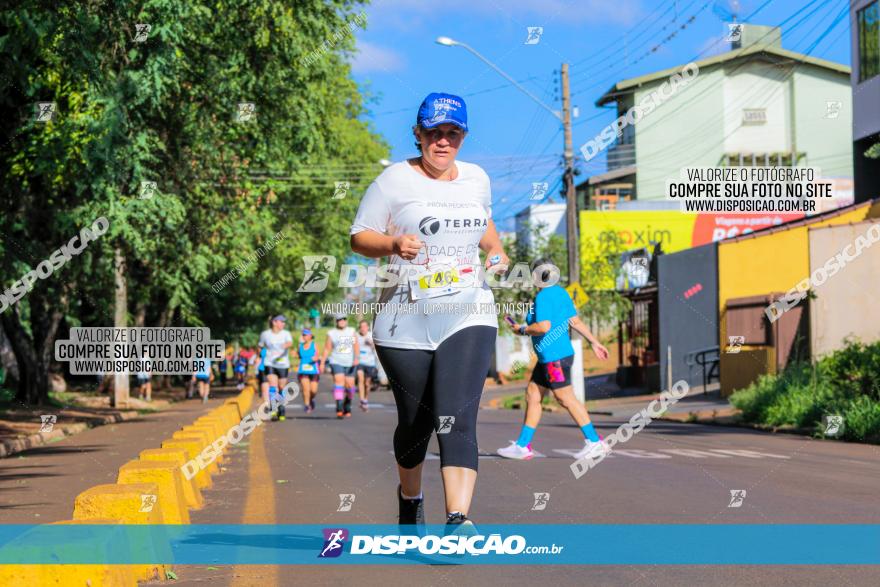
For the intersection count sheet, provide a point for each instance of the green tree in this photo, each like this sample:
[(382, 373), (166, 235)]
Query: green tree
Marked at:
[(164, 110)]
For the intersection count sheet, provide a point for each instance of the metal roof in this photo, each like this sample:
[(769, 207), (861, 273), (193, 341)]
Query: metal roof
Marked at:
[(634, 82)]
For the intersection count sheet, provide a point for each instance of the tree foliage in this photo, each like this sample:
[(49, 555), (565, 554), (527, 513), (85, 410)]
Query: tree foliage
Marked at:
[(166, 110)]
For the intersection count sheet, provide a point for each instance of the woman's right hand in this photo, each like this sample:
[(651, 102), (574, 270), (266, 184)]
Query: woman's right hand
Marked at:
[(407, 246)]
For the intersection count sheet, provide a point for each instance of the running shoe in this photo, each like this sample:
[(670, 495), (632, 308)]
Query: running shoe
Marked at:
[(365, 406), (593, 449), (308, 409), (515, 451), (458, 523), (339, 414), (410, 511), (312, 404), (347, 414), (282, 418)]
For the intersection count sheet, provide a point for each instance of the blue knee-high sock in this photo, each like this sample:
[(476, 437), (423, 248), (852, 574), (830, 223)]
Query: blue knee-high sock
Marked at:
[(272, 401), (525, 435), (590, 432)]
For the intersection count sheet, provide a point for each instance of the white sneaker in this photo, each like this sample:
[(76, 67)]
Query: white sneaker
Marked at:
[(593, 449), (515, 451)]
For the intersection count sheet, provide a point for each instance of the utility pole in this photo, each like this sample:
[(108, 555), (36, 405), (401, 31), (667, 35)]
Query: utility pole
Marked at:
[(571, 227)]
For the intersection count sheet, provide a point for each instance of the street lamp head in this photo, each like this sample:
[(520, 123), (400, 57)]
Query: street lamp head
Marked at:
[(446, 41)]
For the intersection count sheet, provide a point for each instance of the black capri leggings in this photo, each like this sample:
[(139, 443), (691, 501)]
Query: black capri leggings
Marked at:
[(431, 387)]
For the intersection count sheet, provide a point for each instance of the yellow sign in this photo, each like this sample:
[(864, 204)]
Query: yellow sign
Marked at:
[(578, 295)]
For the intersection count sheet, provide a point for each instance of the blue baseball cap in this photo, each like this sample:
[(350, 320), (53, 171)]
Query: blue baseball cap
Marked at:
[(439, 108), (307, 331)]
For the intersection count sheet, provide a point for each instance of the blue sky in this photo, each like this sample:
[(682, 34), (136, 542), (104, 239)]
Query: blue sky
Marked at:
[(604, 41)]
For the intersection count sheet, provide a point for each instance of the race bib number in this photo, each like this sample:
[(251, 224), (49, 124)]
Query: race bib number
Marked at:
[(435, 282)]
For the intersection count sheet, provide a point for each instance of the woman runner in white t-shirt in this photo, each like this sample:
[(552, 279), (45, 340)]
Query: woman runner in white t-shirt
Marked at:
[(431, 215)]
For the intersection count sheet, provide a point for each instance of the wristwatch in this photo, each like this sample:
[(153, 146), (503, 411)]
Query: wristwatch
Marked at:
[(522, 330)]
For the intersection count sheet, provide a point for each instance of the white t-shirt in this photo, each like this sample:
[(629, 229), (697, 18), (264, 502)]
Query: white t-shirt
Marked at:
[(450, 217), (342, 340), (276, 355), (367, 354)]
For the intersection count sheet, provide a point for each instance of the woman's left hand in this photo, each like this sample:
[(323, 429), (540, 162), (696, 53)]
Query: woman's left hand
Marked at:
[(505, 260), (600, 351)]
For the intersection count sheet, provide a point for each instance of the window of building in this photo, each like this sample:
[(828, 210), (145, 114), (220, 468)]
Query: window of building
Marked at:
[(869, 41)]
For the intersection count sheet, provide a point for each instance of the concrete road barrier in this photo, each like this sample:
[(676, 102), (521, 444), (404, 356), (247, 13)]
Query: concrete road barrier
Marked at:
[(102, 575), (129, 504), (168, 477), (193, 447), (191, 493)]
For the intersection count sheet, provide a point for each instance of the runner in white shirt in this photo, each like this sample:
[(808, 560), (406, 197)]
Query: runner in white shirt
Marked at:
[(366, 369), (431, 216), (277, 342), (343, 350)]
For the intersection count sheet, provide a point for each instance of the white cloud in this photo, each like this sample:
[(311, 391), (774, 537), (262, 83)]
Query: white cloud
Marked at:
[(370, 58)]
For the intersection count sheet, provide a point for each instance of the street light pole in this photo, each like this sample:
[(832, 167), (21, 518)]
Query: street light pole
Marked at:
[(571, 225), (571, 231)]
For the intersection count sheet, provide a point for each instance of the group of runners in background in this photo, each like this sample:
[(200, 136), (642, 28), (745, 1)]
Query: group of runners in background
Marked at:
[(349, 354)]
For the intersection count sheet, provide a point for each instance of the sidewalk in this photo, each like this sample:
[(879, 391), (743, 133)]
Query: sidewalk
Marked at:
[(39, 485)]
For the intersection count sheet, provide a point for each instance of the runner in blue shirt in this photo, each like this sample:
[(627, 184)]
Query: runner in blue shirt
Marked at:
[(547, 323), (308, 369)]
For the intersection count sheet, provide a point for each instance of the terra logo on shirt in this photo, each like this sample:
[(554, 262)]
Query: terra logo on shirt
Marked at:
[(429, 225)]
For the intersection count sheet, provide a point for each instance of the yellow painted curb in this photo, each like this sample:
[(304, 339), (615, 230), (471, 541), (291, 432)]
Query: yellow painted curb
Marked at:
[(168, 477), (223, 416), (208, 431), (193, 447), (233, 402), (120, 502), (191, 492), (127, 504), (63, 575), (202, 435), (229, 413), (215, 425)]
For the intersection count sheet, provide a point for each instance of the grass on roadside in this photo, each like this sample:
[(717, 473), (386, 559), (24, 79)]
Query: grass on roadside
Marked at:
[(845, 383)]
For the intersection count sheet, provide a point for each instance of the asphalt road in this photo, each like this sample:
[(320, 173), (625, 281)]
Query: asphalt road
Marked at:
[(293, 472)]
